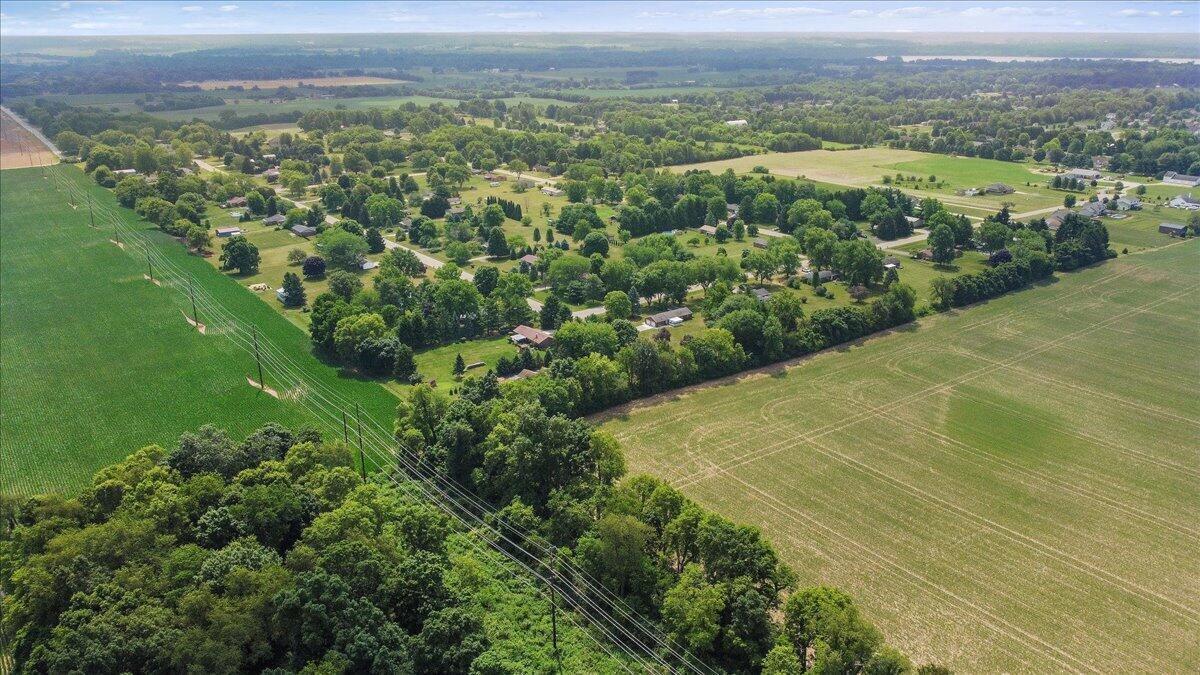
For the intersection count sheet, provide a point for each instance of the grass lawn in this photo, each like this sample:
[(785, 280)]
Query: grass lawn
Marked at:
[(1008, 487), (99, 362), (438, 363), (1139, 230)]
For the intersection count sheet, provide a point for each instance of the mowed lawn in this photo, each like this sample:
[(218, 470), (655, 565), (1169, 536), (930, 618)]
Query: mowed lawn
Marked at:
[(1008, 487), (868, 166), (98, 362)]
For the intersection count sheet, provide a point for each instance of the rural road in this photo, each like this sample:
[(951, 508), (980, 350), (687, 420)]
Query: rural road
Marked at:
[(524, 176), (205, 165), (921, 236)]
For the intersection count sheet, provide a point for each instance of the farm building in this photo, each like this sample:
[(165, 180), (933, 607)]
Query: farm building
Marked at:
[(304, 230), (999, 189), (709, 230), (1184, 202), (525, 336), (1084, 174), (671, 317), (276, 219), (1173, 229), (1172, 178), (235, 202), (228, 231)]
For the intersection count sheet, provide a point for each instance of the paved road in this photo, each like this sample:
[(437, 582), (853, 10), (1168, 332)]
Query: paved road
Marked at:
[(919, 235), (525, 176)]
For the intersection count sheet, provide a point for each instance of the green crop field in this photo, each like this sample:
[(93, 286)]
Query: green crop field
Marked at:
[(97, 361), (1008, 487)]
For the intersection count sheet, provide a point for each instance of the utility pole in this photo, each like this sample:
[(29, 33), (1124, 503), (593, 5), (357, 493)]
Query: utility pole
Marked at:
[(195, 317), (149, 265), (345, 434), (362, 458), (554, 614), (91, 217), (262, 384)]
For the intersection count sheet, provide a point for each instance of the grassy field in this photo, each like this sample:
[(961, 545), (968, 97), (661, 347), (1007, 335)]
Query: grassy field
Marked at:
[(19, 148), (1009, 487), (293, 82), (867, 166), (97, 361)]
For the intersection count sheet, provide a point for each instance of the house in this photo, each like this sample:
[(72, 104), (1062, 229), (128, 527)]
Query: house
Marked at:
[(541, 168), (281, 295), (406, 223), (891, 263), (369, 265), (1170, 178), (736, 123), (1084, 174), (456, 212), (271, 175), (709, 230), (552, 191), (759, 242), (1056, 219), (1173, 229), (277, 219), (914, 221), (228, 231), (1093, 209), (671, 317), (1100, 162), (822, 275), (235, 202), (733, 210), (1185, 202), (125, 172), (761, 293), (525, 336), (924, 254), (269, 158), (304, 231), (1126, 203), (999, 189)]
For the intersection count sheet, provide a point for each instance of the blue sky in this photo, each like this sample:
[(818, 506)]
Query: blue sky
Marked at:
[(240, 16)]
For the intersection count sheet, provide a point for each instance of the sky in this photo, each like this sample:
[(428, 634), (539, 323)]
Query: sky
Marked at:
[(263, 16)]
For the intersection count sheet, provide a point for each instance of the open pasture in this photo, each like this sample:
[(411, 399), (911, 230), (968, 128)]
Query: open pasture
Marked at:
[(867, 166), (1009, 487), (348, 81), (98, 361)]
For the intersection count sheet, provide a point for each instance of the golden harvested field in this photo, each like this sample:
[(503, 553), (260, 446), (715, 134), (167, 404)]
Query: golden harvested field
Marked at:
[(292, 82), (19, 148), (1011, 487)]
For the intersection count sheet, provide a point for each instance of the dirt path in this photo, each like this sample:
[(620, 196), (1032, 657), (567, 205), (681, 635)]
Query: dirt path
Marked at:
[(22, 145)]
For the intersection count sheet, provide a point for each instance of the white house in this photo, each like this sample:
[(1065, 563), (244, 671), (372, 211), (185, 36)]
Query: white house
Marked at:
[(1185, 202)]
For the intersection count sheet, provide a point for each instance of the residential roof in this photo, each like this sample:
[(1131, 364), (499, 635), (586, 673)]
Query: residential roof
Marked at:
[(677, 313), (532, 335), (304, 230), (1172, 226), (761, 293), (529, 259), (708, 229), (275, 219)]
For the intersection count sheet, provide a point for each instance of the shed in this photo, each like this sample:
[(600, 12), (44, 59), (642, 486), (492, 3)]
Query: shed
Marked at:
[(281, 295), (304, 230), (709, 230), (999, 189), (1173, 229), (664, 318), (552, 192), (527, 336), (228, 231)]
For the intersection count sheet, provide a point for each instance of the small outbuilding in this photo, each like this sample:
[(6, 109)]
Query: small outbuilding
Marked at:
[(709, 230), (891, 262), (760, 243), (552, 191), (1173, 229), (228, 231), (761, 293)]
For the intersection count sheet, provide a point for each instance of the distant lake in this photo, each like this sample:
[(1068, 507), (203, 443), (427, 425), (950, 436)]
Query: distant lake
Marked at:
[(1017, 59)]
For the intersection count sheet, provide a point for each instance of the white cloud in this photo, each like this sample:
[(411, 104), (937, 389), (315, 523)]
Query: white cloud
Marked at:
[(654, 15), (861, 14), (407, 17), (509, 16), (909, 12), (770, 11), (60, 7), (91, 25), (1139, 12), (227, 8), (1177, 12), (191, 8), (1022, 10)]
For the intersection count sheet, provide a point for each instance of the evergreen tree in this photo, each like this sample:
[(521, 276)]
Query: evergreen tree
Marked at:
[(293, 291), (460, 366), (374, 240)]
